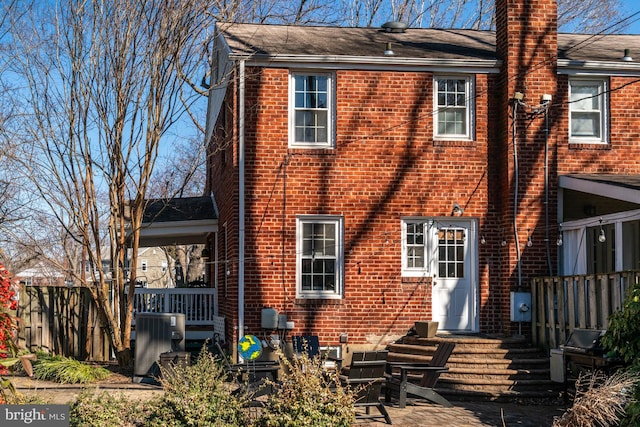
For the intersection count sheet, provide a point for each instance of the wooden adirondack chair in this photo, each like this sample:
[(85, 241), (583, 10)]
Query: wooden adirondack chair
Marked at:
[(366, 377), (399, 384)]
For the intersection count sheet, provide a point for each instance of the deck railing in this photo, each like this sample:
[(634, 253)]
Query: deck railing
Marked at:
[(199, 305), (563, 303)]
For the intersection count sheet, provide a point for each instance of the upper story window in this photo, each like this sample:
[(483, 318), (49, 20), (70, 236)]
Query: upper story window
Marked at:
[(587, 106), (144, 265), (320, 242), (453, 99), (311, 110)]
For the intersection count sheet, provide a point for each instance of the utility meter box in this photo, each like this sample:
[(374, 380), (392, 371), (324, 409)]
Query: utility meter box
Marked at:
[(520, 307)]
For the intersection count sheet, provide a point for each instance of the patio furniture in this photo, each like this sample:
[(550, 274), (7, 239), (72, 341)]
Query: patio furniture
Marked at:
[(309, 344), (366, 377), (399, 384)]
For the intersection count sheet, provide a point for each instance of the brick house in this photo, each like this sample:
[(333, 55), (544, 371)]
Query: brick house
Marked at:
[(369, 178)]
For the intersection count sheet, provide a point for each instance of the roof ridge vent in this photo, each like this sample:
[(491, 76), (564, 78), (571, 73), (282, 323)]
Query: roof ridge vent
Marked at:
[(394, 27)]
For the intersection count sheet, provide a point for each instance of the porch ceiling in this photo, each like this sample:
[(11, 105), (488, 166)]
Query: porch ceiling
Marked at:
[(178, 221), (620, 187)]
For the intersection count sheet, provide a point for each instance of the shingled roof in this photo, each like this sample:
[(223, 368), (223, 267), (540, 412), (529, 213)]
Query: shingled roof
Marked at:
[(333, 43), (179, 209)]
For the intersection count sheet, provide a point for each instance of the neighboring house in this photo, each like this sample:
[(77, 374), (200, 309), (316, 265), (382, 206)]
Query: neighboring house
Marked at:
[(40, 275), (153, 269), (368, 178)]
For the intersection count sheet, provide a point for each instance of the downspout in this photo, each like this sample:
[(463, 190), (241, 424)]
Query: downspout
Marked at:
[(546, 183), (241, 201), (515, 192)]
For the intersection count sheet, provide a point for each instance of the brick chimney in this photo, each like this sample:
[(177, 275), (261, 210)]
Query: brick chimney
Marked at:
[(526, 42)]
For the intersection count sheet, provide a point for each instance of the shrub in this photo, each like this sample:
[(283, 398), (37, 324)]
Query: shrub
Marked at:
[(623, 333), (92, 409), (308, 395), (623, 339), (66, 370), (601, 402), (197, 395)]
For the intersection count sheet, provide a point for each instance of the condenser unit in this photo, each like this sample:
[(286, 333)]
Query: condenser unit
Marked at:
[(156, 333)]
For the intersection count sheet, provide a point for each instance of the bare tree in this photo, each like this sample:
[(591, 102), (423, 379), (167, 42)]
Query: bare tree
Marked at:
[(586, 16), (105, 82)]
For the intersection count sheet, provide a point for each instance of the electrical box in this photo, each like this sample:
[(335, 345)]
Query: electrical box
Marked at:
[(269, 318), (156, 333), (520, 307)]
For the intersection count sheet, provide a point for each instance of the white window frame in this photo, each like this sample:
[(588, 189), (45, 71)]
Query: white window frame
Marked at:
[(425, 269), (338, 222), (330, 110), (144, 265), (469, 114), (603, 110)]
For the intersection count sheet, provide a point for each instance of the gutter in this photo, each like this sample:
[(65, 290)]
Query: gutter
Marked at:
[(479, 66)]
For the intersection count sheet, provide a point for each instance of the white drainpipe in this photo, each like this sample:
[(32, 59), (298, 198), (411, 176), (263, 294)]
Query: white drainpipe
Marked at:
[(241, 207)]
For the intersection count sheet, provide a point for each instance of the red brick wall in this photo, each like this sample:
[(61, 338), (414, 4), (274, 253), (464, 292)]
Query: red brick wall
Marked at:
[(526, 38), (622, 154), (386, 165)]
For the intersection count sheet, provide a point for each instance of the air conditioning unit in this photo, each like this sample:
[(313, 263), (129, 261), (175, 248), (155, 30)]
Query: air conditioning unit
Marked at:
[(156, 333)]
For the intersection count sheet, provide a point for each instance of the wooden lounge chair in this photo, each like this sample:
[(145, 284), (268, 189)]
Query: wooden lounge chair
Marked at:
[(399, 384), (366, 377)]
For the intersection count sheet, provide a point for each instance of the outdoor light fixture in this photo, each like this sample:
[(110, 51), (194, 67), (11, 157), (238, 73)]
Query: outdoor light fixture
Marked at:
[(559, 241), (483, 240), (602, 237), (529, 241), (627, 56), (457, 210), (388, 51)]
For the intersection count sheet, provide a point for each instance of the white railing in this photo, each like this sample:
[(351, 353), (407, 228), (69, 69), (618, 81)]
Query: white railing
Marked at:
[(199, 305)]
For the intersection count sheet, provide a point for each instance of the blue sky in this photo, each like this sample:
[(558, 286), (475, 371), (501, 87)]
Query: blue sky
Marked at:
[(629, 7)]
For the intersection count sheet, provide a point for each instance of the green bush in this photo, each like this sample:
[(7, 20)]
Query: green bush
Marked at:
[(202, 395), (308, 395), (623, 334), (92, 409), (622, 339), (197, 395)]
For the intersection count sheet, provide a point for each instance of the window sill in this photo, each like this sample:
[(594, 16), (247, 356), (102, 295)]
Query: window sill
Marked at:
[(319, 301), (453, 143), (584, 145)]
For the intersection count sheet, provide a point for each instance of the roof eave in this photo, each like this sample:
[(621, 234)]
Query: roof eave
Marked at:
[(574, 66), (390, 63)]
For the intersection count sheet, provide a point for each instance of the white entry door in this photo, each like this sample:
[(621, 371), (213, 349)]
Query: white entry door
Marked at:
[(454, 270)]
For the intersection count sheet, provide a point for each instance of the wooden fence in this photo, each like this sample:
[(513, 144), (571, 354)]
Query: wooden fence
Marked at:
[(63, 321), (563, 303)]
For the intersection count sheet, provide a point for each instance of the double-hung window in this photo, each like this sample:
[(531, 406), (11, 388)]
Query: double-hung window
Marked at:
[(320, 242), (587, 105), (414, 246), (453, 98), (311, 110)]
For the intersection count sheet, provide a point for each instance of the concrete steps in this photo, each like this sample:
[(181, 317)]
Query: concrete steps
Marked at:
[(483, 368)]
